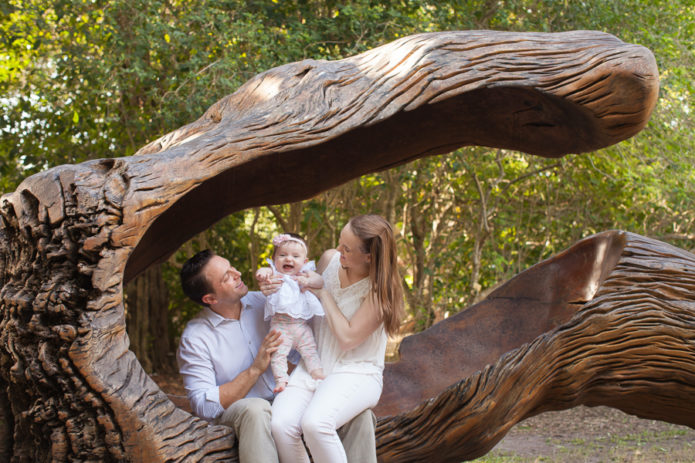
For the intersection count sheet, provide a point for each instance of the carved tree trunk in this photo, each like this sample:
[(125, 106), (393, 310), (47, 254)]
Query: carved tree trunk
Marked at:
[(608, 322), (71, 237)]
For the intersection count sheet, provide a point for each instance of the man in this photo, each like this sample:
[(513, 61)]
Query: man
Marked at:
[(224, 355)]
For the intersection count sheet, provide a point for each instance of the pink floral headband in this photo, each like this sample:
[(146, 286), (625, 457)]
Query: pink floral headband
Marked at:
[(283, 238)]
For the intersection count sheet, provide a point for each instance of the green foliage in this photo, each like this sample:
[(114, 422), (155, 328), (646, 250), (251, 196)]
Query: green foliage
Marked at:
[(100, 78)]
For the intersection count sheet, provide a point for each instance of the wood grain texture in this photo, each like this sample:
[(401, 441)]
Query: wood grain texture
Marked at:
[(70, 237), (630, 346), (533, 303)]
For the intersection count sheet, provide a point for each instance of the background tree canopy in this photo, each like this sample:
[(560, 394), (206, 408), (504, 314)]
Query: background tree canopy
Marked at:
[(86, 79)]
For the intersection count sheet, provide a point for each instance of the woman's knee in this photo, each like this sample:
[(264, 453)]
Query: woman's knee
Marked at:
[(317, 423), (285, 426)]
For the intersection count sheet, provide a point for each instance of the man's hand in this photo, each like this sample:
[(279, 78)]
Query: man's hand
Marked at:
[(270, 284), (237, 388), (270, 344)]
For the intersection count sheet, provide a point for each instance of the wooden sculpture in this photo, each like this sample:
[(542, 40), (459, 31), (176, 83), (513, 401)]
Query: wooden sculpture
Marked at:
[(72, 236), (611, 321)]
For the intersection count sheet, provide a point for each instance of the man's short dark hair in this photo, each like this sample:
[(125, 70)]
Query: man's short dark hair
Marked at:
[(193, 281)]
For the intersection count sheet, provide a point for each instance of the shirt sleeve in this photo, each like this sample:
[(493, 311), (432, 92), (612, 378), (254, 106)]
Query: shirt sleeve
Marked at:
[(255, 299), (197, 371), (294, 357)]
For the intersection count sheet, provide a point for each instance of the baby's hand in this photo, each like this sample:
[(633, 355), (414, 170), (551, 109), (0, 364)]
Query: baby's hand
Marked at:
[(264, 274)]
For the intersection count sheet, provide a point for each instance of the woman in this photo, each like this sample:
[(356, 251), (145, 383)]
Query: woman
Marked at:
[(363, 302)]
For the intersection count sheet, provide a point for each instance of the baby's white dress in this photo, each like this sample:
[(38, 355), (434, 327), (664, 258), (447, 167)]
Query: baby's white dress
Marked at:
[(290, 299)]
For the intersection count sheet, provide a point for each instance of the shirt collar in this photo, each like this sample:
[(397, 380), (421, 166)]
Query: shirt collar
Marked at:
[(215, 319)]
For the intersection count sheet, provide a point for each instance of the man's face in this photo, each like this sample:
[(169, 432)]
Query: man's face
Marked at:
[(225, 282)]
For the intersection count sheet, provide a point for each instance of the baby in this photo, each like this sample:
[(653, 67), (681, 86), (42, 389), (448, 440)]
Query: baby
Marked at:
[(290, 308)]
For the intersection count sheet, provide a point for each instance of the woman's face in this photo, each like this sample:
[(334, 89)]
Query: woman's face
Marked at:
[(350, 248)]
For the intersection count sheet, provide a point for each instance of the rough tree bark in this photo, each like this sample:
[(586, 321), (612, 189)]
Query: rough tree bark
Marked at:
[(608, 322), (72, 236)]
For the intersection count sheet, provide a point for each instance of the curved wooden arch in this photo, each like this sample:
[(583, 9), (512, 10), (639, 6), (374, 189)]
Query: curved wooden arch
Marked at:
[(70, 237)]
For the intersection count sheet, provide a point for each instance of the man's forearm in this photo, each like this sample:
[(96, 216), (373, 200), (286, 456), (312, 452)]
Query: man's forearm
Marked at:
[(237, 388)]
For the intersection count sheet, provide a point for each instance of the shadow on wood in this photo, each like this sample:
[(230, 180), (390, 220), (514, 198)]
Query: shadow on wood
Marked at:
[(70, 237)]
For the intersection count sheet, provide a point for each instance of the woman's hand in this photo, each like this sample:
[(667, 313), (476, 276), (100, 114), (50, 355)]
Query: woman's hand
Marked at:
[(308, 280), (318, 292)]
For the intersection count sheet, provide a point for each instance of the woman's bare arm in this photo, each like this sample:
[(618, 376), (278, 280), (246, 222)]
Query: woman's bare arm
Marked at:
[(349, 333), (325, 260)]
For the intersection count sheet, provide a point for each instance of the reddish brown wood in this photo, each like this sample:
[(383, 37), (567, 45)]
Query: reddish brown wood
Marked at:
[(531, 304), (629, 344), (70, 237)]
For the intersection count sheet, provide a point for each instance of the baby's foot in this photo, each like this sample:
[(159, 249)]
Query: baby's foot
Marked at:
[(280, 386), (318, 374)]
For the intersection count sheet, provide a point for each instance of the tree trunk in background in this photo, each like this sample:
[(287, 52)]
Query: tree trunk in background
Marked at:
[(148, 320), (5, 428)]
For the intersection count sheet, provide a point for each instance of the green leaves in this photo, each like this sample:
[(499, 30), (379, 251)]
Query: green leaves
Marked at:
[(94, 79)]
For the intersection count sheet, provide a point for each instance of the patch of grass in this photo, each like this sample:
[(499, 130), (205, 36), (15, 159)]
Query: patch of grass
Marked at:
[(493, 457), (644, 437), (584, 435)]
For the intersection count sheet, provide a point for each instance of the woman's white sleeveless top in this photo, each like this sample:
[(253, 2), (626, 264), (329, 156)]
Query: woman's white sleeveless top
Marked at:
[(367, 358)]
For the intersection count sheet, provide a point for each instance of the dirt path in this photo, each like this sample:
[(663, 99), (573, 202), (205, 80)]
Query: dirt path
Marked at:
[(594, 435)]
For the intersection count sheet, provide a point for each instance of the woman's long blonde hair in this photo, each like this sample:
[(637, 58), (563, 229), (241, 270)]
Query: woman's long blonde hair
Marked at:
[(379, 241)]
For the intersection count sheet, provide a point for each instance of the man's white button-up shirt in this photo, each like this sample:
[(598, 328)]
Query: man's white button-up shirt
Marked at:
[(213, 350)]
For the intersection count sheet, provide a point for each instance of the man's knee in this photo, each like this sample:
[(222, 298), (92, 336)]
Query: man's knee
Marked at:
[(256, 406), (362, 424), (358, 438), (247, 412), (366, 419), (256, 409)]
